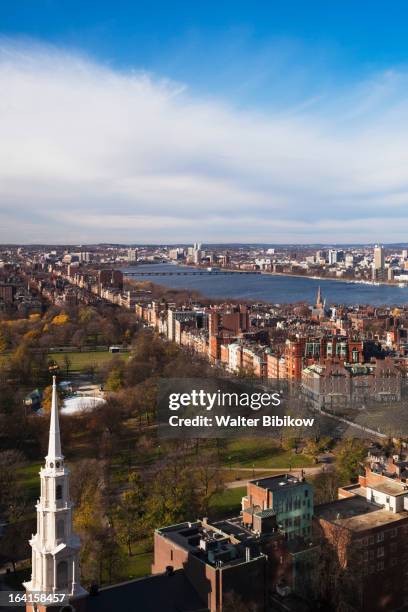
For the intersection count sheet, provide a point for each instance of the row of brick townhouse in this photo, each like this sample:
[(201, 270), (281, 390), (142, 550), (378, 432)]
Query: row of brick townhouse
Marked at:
[(335, 384)]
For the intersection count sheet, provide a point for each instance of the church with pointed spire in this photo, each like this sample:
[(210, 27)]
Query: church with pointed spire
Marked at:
[(319, 310), (55, 548)]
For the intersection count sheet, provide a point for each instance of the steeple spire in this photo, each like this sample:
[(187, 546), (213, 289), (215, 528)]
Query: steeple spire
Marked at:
[(319, 297), (55, 547), (54, 442)]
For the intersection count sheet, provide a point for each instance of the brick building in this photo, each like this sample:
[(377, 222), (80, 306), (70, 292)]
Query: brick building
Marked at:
[(263, 555), (225, 324), (302, 351), (6, 293), (367, 532), (335, 384)]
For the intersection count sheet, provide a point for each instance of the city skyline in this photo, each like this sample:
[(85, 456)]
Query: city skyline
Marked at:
[(251, 124)]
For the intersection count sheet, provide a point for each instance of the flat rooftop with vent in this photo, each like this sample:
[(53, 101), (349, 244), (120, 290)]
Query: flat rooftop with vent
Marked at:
[(357, 514), (216, 558), (226, 541)]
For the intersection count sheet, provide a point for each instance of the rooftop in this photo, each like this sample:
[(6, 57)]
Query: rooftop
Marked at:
[(390, 487), (223, 541), (357, 514), (275, 483), (159, 592)]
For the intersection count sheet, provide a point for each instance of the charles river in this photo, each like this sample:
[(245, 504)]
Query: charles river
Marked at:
[(273, 289)]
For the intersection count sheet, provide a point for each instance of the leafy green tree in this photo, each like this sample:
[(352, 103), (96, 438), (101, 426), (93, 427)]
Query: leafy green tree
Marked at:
[(350, 455), (91, 524), (130, 512), (173, 498), (114, 381), (12, 495), (312, 449), (292, 443)]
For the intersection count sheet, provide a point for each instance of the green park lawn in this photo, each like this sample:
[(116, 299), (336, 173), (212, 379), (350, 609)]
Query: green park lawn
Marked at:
[(81, 361), (261, 453), (137, 566), (227, 503), (30, 480)]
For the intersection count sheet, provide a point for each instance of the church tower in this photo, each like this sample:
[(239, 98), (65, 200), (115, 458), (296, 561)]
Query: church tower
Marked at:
[(55, 548), (319, 301)]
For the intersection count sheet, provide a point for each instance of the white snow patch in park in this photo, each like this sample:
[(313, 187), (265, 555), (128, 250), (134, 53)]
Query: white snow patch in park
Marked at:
[(78, 404)]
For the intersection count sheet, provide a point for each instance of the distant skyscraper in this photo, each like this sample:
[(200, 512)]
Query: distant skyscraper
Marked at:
[(333, 256), (197, 252), (132, 255), (349, 260), (378, 257)]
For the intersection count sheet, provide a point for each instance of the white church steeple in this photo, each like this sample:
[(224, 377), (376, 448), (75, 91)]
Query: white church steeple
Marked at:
[(55, 548), (54, 442)]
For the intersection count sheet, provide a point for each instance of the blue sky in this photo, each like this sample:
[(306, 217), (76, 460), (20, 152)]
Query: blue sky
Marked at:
[(213, 45), (270, 121)]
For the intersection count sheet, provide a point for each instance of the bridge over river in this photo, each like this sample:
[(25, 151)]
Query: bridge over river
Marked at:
[(190, 273), (259, 286)]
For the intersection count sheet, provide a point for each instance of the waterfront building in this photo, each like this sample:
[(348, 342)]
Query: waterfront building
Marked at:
[(378, 257), (132, 255), (333, 256)]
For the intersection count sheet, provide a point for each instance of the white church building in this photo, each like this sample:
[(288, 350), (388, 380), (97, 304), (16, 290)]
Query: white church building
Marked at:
[(55, 548)]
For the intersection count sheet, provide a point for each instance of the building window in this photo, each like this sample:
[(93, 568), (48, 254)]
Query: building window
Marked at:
[(393, 532), (380, 551), (380, 566), (58, 492), (393, 561), (380, 536)]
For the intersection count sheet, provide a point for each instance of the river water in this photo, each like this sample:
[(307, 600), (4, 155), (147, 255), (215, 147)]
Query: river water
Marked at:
[(274, 289)]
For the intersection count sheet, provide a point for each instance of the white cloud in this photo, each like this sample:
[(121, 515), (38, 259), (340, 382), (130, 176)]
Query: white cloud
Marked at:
[(91, 154)]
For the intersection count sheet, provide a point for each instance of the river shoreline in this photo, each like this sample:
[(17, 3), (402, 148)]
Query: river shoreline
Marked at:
[(273, 287)]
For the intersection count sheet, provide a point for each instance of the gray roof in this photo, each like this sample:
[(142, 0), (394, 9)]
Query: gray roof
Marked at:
[(151, 594)]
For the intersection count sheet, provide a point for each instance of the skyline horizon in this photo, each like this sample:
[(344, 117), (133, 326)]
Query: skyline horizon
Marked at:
[(203, 243)]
